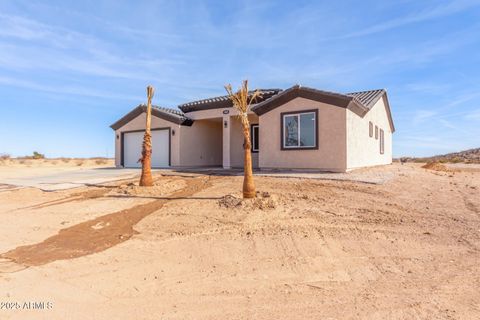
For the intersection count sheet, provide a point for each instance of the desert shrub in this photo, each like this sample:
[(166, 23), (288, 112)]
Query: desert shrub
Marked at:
[(101, 161), (65, 160), (25, 161), (4, 156), (456, 160), (37, 155), (79, 162)]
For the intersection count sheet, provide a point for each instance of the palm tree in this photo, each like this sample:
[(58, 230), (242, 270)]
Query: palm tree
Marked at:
[(242, 101), (146, 179)]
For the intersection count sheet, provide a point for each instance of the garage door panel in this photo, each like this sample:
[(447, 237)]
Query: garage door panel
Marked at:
[(132, 148), (160, 148)]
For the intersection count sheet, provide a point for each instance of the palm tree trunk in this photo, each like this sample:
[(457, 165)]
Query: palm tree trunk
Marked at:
[(146, 179), (248, 184)]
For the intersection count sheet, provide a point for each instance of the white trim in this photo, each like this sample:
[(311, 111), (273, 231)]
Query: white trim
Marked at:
[(298, 129)]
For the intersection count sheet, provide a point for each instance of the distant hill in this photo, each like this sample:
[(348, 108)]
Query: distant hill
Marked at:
[(467, 156)]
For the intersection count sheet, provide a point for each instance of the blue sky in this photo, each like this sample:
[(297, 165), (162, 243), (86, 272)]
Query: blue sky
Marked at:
[(69, 69)]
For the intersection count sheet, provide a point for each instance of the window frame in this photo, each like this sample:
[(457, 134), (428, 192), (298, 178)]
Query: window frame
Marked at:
[(370, 129), (376, 132), (382, 142), (252, 139), (282, 128)]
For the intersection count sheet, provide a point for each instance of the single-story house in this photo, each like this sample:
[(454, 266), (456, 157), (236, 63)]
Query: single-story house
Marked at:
[(296, 128)]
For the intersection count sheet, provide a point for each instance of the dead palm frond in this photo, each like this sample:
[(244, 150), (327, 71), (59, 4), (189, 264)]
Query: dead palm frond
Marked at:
[(242, 99)]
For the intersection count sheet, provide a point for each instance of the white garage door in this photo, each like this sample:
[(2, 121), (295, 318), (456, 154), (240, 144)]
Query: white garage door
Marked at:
[(132, 149)]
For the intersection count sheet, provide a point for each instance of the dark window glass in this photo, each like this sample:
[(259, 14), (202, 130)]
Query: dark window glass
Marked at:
[(299, 130), (382, 142), (307, 130), (255, 139)]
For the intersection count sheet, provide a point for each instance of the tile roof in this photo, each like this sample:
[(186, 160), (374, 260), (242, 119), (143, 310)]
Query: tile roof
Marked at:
[(271, 98), (367, 98), (174, 112), (222, 101)]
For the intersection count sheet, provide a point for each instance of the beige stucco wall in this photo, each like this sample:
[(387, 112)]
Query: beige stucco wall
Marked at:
[(139, 124), (236, 142), (363, 150), (213, 113), (331, 154), (201, 144)]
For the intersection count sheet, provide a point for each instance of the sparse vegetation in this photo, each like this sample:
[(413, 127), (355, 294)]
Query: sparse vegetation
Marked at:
[(101, 161), (4, 156), (467, 156), (25, 161), (37, 155)]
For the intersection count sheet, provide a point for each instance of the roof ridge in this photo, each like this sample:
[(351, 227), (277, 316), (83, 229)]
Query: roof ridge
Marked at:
[(364, 91), (166, 109), (223, 97)]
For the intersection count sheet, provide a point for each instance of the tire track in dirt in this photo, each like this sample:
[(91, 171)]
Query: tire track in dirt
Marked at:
[(98, 234)]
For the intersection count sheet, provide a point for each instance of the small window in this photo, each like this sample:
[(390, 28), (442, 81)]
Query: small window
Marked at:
[(376, 133), (254, 137), (370, 129), (382, 142), (299, 130)]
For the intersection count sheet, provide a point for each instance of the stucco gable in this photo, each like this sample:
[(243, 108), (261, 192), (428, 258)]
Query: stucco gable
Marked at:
[(170, 115), (332, 98), (358, 102)]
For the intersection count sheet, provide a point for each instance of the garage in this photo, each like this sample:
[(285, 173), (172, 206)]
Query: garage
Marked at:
[(132, 148)]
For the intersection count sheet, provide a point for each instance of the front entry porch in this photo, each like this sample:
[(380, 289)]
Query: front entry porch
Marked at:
[(232, 139)]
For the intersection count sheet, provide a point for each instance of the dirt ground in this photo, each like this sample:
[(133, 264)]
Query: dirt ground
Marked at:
[(190, 248)]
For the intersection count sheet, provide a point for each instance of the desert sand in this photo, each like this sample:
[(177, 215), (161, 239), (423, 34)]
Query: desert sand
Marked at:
[(190, 248)]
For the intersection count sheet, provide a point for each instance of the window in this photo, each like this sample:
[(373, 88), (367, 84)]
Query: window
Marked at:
[(370, 129), (376, 133), (254, 137), (382, 142), (299, 130)]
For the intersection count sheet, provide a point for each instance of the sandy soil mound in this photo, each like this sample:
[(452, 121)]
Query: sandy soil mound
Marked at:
[(159, 189), (436, 166), (263, 201)]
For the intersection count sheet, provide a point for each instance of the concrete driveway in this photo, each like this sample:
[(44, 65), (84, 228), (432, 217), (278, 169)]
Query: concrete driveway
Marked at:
[(51, 179)]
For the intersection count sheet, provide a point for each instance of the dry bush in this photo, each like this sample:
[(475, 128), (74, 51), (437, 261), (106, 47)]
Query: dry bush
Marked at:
[(262, 201), (101, 161), (436, 166), (4, 156), (38, 155), (456, 160), (79, 162), (25, 161), (65, 160)]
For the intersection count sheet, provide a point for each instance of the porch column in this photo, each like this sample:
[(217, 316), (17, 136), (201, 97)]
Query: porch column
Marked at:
[(226, 141)]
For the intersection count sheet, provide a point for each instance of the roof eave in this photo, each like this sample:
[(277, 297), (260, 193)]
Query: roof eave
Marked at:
[(184, 121), (302, 92), (127, 118), (389, 112)]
